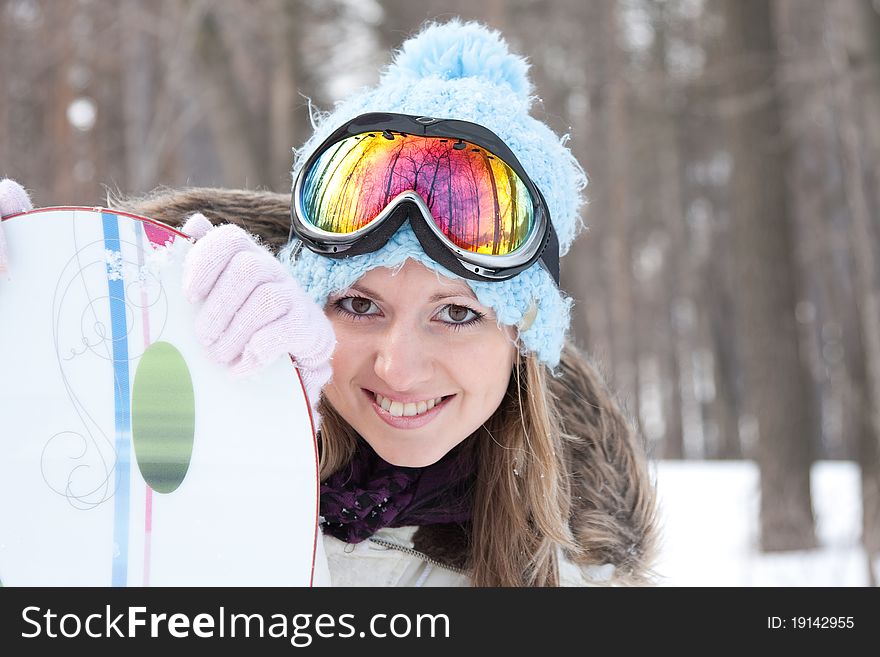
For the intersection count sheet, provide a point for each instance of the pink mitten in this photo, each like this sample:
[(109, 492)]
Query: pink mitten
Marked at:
[(253, 310), (13, 199)]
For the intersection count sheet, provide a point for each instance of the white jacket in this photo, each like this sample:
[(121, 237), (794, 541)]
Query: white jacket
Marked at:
[(388, 559)]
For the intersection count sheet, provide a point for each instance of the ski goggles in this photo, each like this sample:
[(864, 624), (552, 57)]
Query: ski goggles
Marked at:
[(469, 201)]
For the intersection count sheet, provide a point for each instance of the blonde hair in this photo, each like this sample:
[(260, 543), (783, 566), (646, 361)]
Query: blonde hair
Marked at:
[(522, 491)]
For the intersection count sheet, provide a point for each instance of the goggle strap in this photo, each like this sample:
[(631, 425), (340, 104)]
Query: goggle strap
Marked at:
[(298, 245), (550, 255)]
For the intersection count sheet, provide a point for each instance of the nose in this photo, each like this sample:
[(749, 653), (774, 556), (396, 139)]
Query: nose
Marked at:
[(404, 358)]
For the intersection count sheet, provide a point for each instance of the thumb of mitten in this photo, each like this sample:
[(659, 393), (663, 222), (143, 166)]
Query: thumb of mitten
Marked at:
[(197, 226), (13, 199), (4, 258)]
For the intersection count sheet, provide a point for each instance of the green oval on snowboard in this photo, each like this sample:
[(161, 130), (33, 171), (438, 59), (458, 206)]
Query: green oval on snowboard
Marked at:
[(163, 417)]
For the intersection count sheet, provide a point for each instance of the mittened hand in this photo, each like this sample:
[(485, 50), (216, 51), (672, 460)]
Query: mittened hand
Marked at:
[(253, 311), (13, 199)]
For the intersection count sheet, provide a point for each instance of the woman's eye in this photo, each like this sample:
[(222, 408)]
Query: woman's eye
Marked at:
[(459, 314), (356, 305)]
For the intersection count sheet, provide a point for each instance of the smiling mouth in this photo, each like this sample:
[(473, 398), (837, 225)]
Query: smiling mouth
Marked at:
[(408, 409)]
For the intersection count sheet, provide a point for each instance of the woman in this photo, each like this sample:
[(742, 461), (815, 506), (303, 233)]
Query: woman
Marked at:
[(462, 442)]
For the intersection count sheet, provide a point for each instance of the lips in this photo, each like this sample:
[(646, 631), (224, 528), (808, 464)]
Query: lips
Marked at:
[(406, 409), (386, 409)]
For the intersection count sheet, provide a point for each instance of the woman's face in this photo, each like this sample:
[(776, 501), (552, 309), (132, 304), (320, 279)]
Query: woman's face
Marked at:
[(419, 363)]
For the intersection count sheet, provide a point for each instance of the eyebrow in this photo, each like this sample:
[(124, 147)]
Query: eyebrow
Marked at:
[(439, 297), (366, 291), (434, 297)]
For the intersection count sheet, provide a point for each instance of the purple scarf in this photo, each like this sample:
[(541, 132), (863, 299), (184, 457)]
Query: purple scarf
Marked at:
[(370, 493)]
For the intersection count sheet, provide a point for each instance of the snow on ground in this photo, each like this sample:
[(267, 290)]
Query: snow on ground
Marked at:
[(709, 525)]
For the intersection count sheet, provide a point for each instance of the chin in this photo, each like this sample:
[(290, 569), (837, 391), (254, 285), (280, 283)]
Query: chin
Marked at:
[(403, 459)]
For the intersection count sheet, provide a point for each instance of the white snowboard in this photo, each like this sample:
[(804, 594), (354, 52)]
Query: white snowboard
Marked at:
[(127, 458)]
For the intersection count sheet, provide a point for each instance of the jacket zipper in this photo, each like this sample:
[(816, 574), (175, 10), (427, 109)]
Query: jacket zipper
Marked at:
[(415, 553)]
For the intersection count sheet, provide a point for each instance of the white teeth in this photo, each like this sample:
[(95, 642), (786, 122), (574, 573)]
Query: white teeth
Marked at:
[(409, 409)]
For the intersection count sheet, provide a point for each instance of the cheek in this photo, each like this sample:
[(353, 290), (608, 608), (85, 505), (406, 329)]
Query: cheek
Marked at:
[(502, 347), (347, 357), (349, 346), (506, 358), (488, 364)]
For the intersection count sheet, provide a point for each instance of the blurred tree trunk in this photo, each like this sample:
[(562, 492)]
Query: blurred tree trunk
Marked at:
[(137, 93), (776, 384), (231, 122), (651, 294), (103, 162), (657, 257), (869, 18), (675, 339), (61, 133), (853, 53), (583, 268), (160, 100), (867, 455), (140, 97), (288, 111), (619, 250), (28, 109), (827, 308), (708, 222), (724, 408)]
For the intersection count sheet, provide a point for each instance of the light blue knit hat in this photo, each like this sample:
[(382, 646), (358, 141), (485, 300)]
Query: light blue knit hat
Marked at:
[(465, 71)]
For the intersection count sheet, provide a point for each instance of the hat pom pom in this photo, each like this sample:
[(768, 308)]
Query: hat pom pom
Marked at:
[(456, 50)]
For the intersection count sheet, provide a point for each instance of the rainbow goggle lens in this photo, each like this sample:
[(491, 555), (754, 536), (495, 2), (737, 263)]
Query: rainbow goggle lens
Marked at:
[(469, 201)]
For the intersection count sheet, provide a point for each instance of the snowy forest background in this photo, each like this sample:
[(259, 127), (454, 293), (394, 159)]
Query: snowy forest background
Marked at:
[(728, 283)]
